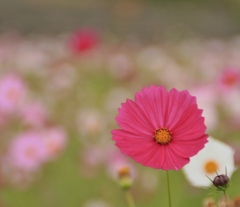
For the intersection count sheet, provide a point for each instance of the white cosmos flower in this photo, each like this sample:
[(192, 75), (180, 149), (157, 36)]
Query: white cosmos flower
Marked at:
[(215, 157)]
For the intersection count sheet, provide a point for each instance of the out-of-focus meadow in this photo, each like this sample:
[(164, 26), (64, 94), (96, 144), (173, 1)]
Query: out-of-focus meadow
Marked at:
[(65, 69)]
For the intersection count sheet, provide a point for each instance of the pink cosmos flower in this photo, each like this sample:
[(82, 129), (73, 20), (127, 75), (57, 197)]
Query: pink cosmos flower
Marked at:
[(27, 151), (230, 79), (83, 40), (55, 140), (12, 92), (34, 114), (160, 129)]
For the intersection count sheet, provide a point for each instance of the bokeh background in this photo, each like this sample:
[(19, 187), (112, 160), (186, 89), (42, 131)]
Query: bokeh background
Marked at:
[(74, 62)]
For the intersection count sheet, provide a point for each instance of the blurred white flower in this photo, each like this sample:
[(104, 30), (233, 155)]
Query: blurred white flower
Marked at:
[(215, 157), (63, 77), (207, 100), (121, 66), (90, 122)]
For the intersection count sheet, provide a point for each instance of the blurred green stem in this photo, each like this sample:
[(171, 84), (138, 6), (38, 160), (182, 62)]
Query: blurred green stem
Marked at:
[(225, 196), (169, 191), (129, 198)]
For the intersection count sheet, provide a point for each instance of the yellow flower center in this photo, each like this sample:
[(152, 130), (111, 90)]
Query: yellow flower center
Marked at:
[(162, 136), (124, 172), (211, 167)]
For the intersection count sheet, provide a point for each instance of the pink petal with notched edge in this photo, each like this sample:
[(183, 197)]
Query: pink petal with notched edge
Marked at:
[(144, 152), (174, 160), (150, 103), (179, 104), (131, 119), (188, 149), (189, 116)]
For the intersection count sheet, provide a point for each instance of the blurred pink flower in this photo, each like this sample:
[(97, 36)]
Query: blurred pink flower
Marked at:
[(160, 129), (34, 114), (121, 67), (12, 92), (2, 118), (27, 151), (230, 78), (90, 122), (116, 162), (207, 100), (55, 141), (93, 156), (83, 40)]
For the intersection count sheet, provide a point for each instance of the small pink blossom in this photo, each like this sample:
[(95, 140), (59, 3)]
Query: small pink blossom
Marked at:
[(55, 141), (34, 114), (90, 122), (160, 129), (207, 100), (12, 92), (27, 151), (230, 79), (83, 40)]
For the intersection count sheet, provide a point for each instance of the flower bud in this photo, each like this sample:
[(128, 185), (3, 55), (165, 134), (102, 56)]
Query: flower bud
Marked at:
[(124, 178), (221, 181)]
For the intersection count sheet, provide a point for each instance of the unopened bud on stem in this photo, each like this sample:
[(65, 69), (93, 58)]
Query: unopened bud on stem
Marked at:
[(124, 178), (221, 181)]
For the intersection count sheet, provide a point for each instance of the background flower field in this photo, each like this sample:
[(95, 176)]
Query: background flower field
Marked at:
[(64, 87)]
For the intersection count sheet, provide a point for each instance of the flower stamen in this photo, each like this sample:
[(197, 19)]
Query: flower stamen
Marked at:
[(162, 136), (211, 166)]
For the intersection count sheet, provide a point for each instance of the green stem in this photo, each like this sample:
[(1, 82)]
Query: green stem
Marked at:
[(216, 199), (129, 198), (169, 191), (225, 196)]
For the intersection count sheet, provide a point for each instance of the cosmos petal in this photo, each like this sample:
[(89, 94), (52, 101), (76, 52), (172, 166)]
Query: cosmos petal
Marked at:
[(132, 119), (191, 121), (178, 103), (154, 103), (121, 134), (173, 160), (188, 149), (195, 143)]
